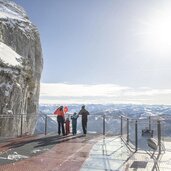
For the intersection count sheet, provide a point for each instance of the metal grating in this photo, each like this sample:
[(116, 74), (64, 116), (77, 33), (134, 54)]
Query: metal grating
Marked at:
[(139, 164)]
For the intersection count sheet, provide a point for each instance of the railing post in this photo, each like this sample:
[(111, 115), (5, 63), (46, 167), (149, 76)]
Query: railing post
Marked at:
[(127, 130), (103, 124), (21, 126), (149, 122), (121, 125), (136, 136), (159, 134), (46, 125)]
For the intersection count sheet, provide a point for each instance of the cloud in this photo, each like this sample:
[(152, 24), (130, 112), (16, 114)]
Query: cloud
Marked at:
[(61, 93), (79, 90)]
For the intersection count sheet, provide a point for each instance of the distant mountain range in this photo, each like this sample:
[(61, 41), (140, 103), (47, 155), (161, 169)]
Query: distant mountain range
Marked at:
[(130, 110)]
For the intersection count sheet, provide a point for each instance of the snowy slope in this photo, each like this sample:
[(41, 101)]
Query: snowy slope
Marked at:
[(9, 56), (9, 9), (11, 15)]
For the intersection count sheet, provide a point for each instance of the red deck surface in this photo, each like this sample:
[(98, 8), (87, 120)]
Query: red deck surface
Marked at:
[(65, 156)]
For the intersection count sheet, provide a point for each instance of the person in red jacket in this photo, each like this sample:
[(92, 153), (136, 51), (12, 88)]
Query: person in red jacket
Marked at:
[(60, 118), (67, 126)]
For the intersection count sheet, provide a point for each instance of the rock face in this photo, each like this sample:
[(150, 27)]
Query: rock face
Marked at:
[(20, 70)]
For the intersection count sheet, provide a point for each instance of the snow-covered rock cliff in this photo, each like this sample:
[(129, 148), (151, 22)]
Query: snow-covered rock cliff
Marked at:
[(20, 69)]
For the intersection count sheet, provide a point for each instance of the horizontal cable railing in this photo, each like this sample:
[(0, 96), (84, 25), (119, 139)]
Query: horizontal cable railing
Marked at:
[(140, 134)]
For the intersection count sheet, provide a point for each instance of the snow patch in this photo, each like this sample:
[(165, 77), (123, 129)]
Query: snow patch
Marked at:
[(38, 151), (16, 156), (9, 56), (11, 10), (13, 15)]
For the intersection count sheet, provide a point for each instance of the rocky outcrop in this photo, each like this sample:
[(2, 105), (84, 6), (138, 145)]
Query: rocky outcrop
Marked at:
[(20, 70)]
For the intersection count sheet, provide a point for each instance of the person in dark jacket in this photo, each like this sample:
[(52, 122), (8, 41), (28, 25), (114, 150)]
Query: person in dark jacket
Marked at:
[(84, 113), (60, 118), (74, 118)]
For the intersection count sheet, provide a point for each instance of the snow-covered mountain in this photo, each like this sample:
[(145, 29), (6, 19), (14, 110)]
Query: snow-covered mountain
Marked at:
[(130, 110)]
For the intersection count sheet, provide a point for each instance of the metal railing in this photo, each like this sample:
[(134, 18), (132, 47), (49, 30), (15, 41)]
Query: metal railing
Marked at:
[(142, 130), (108, 125), (16, 125), (99, 124)]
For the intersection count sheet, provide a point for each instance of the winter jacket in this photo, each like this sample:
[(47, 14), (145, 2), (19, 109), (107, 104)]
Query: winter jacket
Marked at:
[(59, 112), (84, 114)]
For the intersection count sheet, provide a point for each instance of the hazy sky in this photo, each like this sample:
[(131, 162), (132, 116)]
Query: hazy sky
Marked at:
[(119, 43)]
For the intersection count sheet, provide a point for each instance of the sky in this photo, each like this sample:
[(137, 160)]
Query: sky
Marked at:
[(104, 51)]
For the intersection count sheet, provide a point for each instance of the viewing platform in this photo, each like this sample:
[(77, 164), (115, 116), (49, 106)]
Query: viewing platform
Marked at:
[(85, 153), (124, 151)]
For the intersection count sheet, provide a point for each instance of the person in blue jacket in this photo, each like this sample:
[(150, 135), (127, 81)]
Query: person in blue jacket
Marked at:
[(74, 118)]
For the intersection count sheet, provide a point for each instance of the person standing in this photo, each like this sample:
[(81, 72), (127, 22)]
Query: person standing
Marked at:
[(67, 126), (60, 118), (74, 118), (84, 114)]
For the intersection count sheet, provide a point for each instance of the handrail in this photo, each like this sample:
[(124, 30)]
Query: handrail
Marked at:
[(156, 118), (12, 115), (161, 118), (128, 121)]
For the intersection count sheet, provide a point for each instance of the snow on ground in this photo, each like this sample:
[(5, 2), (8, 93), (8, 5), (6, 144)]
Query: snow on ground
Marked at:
[(9, 56), (16, 156)]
